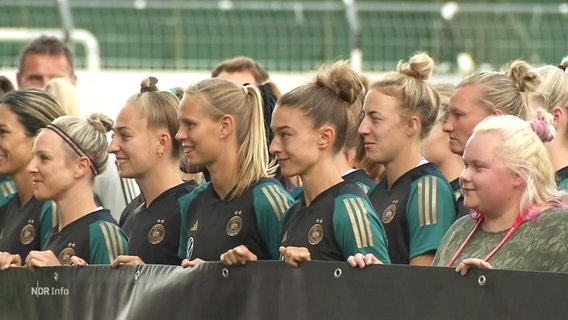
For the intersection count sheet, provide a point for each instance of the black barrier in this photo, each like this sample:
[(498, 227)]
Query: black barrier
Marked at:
[(273, 290)]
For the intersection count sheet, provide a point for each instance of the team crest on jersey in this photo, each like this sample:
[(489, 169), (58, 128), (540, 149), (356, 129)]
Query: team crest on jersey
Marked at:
[(316, 233), (157, 233), (389, 212), (66, 254), (235, 224), (28, 233)]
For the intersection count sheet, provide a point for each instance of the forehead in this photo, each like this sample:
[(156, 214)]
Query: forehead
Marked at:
[(53, 64), (481, 146), (191, 106), (47, 139), (284, 115), (130, 115), (238, 77), (380, 101)]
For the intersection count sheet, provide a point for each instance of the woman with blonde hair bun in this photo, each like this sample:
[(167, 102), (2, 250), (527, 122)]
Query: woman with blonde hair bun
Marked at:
[(67, 156), (414, 201)]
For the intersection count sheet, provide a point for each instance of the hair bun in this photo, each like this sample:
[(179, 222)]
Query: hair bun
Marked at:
[(419, 66), (149, 85), (342, 80), (525, 79), (101, 122)]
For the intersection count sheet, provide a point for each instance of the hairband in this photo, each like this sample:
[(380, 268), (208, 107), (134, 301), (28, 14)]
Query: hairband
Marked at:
[(73, 145), (561, 67)]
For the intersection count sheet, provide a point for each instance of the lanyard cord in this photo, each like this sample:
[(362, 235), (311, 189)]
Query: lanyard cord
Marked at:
[(506, 237)]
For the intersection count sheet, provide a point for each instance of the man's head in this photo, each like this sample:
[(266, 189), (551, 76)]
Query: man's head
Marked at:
[(240, 70), (43, 59)]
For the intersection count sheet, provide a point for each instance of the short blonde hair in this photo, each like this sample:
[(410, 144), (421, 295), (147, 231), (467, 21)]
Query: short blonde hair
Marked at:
[(65, 93)]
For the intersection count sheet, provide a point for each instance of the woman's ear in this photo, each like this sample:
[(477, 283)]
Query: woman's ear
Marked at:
[(413, 125), (326, 137), (227, 125), (83, 167)]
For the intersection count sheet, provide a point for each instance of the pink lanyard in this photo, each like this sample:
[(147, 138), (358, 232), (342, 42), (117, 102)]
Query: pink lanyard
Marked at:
[(514, 227)]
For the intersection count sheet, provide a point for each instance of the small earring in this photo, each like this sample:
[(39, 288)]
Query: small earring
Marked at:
[(160, 154), (222, 136)]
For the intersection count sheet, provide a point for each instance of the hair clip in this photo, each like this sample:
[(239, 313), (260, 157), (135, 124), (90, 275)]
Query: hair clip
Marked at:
[(173, 91)]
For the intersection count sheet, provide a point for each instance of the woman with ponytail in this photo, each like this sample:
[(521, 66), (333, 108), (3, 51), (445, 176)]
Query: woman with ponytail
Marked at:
[(146, 150), (222, 128), (519, 219), (333, 220)]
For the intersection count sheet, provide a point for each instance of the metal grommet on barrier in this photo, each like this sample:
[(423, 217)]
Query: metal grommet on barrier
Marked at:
[(225, 273), (56, 276), (481, 280), (337, 273), (137, 275)]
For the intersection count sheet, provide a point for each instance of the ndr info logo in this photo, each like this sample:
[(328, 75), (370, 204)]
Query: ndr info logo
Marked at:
[(49, 291)]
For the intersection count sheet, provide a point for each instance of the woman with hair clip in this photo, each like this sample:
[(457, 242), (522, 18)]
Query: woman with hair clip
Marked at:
[(222, 127), (334, 219), (67, 156), (25, 220), (145, 148), (520, 219), (554, 91), (414, 200)]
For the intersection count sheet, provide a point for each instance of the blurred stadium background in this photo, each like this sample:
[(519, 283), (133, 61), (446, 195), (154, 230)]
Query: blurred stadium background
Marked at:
[(118, 42)]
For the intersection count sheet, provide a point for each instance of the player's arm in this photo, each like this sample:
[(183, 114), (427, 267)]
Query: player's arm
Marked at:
[(107, 242), (430, 213), (357, 228), (270, 204)]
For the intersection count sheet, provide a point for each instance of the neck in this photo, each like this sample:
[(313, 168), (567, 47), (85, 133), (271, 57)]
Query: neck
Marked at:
[(342, 163), (558, 151), (320, 177), (404, 162), (164, 177), (76, 203), (24, 187), (496, 223), (224, 173), (451, 167)]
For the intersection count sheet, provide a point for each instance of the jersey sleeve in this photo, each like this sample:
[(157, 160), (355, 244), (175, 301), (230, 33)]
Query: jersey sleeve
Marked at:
[(107, 241), (270, 204), (48, 219), (357, 228), (430, 212), (184, 203)]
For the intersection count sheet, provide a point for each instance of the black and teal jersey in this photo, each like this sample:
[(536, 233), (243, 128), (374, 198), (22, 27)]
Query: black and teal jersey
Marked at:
[(153, 232), (357, 176), (127, 215), (24, 228), (416, 211), (360, 178), (338, 223), (210, 225), (562, 178), (461, 210), (7, 189), (94, 238)]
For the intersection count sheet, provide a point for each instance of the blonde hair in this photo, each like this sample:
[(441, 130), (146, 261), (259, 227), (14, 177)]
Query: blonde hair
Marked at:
[(160, 108), (409, 83), (505, 91), (524, 154), (445, 91), (334, 97), (222, 97), (66, 93), (554, 86), (89, 135)]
